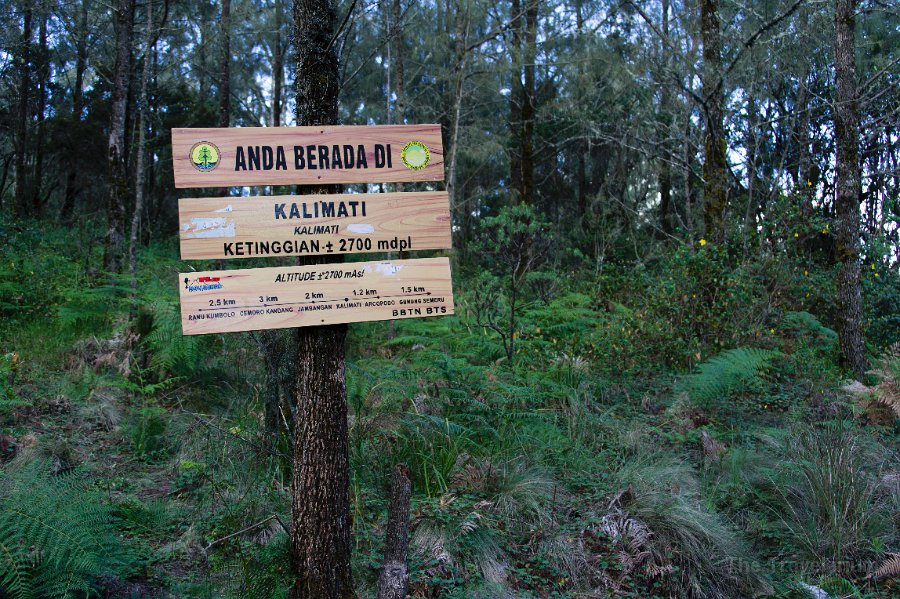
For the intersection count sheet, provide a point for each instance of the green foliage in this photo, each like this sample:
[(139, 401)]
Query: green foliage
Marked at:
[(56, 534), (733, 371), (828, 501)]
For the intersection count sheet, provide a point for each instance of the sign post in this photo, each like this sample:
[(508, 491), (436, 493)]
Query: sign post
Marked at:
[(316, 293)]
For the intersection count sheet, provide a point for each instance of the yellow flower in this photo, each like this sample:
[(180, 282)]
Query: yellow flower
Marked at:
[(805, 273), (702, 242), (876, 274), (809, 183), (771, 331), (796, 234), (234, 430), (873, 266)]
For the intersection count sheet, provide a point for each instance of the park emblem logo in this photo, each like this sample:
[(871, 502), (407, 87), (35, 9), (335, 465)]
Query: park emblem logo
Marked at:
[(415, 155), (205, 156)]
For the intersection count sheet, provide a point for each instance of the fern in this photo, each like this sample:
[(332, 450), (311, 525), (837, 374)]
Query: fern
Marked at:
[(889, 568), (804, 322), (172, 350), (730, 372), (56, 535)]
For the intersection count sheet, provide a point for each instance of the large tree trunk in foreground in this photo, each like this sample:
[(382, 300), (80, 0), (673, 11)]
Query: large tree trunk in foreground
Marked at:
[(846, 229), (714, 164), (320, 508), (118, 175), (393, 583)]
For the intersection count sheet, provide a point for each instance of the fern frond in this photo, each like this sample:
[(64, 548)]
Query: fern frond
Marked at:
[(56, 535), (889, 568), (731, 371)]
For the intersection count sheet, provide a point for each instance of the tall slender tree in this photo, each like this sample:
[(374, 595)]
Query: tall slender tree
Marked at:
[(118, 175), (225, 64), (139, 186), (320, 509), (43, 80), (20, 199), (714, 162), (80, 34), (848, 188)]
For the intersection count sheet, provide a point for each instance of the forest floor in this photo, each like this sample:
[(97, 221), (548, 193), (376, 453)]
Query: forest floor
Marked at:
[(641, 443)]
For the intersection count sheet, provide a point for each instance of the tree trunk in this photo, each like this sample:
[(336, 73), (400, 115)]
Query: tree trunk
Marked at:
[(665, 166), (848, 186), (20, 200), (68, 206), (277, 68), (516, 100), (459, 69), (714, 163), (529, 103), (225, 65), (393, 583), (320, 508), (43, 74), (139, 175), (118, 176)]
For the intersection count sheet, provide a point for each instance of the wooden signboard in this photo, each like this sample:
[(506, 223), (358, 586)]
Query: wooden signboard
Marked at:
[(313, 224), (229, 157), (296, 296)]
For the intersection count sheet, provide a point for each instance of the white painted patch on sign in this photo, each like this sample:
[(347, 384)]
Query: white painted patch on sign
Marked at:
[(360, 228), (388, 269), (227, 208), (210, 227)]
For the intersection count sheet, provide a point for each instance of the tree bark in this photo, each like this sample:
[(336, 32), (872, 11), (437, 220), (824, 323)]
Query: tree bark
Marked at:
[(142, 142), (848, 188), (714, 163), (393, 583), (68, 206), (320, 508), (118, 177), (20, 199)]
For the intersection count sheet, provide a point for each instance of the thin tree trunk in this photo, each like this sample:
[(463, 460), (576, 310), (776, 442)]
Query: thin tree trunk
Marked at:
[(529, 102), (848, 187), (393, 583), (462, 32), (142, 140), (224, 80), (277, 67), (320, 507), (68, 206), (20, 199), (43, 74), (665, 167), (714, 163), (118, 177), (516, 100)]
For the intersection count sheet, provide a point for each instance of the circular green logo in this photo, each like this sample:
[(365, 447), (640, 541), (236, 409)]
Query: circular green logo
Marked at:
[(205, 156), (415, 155)]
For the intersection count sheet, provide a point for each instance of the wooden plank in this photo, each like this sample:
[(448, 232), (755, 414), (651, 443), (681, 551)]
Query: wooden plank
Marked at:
[(297, 226), (252, 299), (229, 157)]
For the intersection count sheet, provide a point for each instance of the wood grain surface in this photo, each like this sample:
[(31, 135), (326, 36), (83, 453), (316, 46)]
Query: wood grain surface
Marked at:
[(296, 296), (273, 226), (294, 140)]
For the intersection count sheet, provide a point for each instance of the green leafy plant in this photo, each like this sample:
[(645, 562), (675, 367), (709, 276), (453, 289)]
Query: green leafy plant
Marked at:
[(730, 372), (56, 534)]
